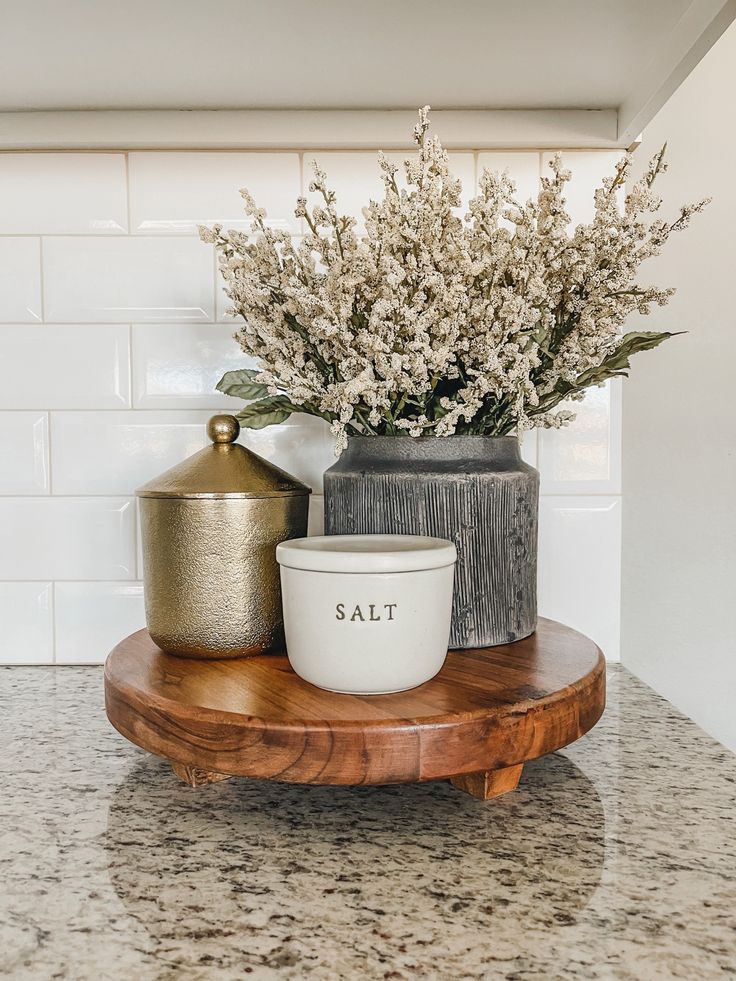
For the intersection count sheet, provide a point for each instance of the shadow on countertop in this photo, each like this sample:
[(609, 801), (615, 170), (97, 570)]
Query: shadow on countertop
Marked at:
[(264, 876)]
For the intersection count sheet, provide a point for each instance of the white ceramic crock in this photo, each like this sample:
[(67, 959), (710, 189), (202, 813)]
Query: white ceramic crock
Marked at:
[(367, 614)]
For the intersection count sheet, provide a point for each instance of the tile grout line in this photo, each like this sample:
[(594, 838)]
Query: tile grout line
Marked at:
[(106, 236), (105, 324), (102, 582), (123, 408)]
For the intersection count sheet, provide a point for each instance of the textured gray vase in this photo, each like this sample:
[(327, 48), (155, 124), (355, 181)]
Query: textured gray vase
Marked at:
[(474, 490)]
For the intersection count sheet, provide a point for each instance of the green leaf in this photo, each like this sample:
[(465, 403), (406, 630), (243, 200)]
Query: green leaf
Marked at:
[(617, 363), (266, 412), (240, 385)]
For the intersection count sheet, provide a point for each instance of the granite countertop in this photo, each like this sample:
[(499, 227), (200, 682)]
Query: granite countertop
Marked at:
[(614, 859)]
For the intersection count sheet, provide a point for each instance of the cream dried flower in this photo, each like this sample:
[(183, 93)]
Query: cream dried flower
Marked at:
[(436, 324)]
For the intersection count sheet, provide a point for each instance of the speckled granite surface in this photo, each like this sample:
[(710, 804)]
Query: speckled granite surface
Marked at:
[(614, 859)]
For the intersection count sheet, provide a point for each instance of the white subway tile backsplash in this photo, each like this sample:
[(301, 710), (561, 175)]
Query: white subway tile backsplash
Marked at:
[(529, 443), (24, 452), (316, 521), (303, 446), (62, 193), (580, 566), (116, 452), (109, 359), (64, 367), (127, 279), (26, 615), (588, 168), (20, 280), (67, 538), (175, 192), (178, 365), (92, 617), (522, 168), (584, 457)]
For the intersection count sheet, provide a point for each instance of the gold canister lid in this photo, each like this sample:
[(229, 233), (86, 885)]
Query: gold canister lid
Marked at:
[(225, 469)]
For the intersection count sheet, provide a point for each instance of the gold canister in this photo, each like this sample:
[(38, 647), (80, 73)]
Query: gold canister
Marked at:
[(210, 527)]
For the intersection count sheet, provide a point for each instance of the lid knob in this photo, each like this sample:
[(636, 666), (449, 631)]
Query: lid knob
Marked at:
[(223, 429)]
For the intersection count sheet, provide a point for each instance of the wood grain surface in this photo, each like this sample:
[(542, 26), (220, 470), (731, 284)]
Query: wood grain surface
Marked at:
[(488, 709)]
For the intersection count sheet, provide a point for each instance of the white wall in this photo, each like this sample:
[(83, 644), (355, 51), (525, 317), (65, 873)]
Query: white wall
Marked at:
[(112, 338), (679, 538)]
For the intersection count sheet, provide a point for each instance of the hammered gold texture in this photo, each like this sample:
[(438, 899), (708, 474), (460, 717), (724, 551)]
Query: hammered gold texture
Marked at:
[(224, 470), (212, 586)]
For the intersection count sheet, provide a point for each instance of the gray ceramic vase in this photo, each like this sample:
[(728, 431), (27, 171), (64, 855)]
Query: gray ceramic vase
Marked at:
[(474, 490)]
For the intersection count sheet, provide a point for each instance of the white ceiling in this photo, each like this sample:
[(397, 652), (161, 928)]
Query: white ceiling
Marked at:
[(103, 74), (346, 54)]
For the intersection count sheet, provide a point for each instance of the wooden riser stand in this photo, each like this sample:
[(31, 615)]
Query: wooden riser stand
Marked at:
[(477, 722)]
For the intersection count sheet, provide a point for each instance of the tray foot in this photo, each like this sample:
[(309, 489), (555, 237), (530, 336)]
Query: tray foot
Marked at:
[(487, 784), (195, 776)]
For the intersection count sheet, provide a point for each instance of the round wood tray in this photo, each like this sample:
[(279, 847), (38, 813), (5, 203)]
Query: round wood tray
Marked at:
[(486, 713)]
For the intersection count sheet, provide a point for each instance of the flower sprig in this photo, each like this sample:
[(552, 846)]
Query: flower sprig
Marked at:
[(434, 322)]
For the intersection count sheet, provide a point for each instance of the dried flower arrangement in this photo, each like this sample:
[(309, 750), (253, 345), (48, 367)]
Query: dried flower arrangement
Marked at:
[(436, 324)]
